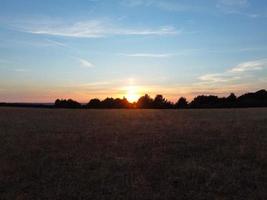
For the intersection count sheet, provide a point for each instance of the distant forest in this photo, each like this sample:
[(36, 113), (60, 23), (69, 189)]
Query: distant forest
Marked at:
[(256, 99)]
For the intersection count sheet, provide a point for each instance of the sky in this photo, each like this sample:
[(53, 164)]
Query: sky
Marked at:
[(82, 49)]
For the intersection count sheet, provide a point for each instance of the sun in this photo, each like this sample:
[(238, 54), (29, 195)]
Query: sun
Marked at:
[(132, 94)]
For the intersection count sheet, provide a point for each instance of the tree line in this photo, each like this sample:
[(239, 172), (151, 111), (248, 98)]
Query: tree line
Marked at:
[(256, 99)]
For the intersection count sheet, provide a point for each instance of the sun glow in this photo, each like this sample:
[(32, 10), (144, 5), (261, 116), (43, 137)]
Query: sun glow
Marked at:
[(132, 93)]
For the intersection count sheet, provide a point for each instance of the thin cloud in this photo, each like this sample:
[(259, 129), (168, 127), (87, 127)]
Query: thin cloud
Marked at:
[(250, 66), (85, 63), (253, 49), (56, 43), (148, 55), (238, 7), (167, 5), (94, 84), (184, 52), (232, 6), (235, 73), (37, 43), (166, 30), (236, 3), (218, 78), (20, 70), (91, 29)]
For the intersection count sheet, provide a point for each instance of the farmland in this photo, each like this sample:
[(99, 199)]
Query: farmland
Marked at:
[(133, 154)]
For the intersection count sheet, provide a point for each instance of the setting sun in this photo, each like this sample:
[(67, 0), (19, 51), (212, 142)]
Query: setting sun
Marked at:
[(132, 94)]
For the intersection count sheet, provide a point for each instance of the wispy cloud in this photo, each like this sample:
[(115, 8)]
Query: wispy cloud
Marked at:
[(91, 29), (238, 7), (232, 6), (236, 3), (165, 30), (167, 5), (234, 73), (252, 49), (183, 52), (85, 63), (93, 84), (148, 55), (218, 78), (56, 43), (250, 66), (21, 70)]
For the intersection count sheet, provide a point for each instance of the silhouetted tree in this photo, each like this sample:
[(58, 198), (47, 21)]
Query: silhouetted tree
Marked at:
[(108, 103), (121, 103), (257, 99), (115, 103), (160, 102), (231, 97), (57, 103), (205, 102), (145, 102), (230, 101), (181, 103), (94, 103), (63, 103), (125, 103)]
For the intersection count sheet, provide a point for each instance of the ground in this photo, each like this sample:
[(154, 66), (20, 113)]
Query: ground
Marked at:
[(133, 154)]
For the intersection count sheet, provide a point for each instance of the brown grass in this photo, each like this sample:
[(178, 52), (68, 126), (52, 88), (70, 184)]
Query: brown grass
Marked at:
[(133, 154)]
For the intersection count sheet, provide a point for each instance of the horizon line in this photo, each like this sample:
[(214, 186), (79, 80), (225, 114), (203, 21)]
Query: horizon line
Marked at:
[(101, 99)]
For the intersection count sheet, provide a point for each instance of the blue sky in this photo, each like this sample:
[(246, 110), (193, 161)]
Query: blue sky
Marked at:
[(97, 48)]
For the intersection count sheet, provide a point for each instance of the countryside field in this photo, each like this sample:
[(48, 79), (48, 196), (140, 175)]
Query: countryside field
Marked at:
[(133, 154)]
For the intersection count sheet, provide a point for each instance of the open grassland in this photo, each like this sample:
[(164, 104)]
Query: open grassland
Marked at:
[(133, 154)]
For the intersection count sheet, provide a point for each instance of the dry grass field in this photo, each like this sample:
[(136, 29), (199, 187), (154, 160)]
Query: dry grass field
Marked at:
[(133, 154)]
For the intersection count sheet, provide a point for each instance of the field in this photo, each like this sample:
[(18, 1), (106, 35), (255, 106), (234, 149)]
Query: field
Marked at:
[(133, 154)]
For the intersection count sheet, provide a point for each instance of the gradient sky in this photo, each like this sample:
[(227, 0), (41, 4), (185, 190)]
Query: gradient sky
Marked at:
[(97, 48)]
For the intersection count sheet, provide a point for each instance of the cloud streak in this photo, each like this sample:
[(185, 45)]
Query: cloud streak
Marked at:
[(184, 52), (218, 78), (236, 3), (234, 73), (167, 5), (92, 29), (238, 7), (148, 55), (21, 70), (85, 63), (56, 43), (250, 66)]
